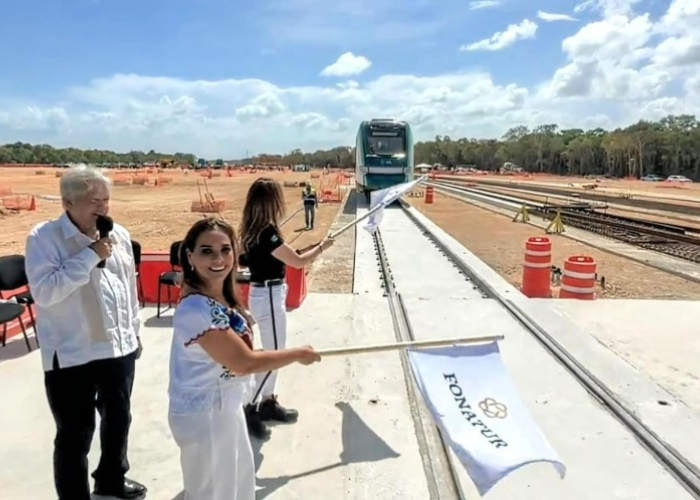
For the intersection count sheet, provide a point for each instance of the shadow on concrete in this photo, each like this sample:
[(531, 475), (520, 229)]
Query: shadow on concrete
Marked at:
[(360, 444), (162, 322), (16, 347), (180, 496), (354, 200)]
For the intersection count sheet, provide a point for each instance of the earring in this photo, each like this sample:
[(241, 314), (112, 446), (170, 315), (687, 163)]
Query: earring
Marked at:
[(192, 267)]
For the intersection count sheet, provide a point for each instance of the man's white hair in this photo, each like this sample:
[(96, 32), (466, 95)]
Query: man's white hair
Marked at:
[(79, 180)]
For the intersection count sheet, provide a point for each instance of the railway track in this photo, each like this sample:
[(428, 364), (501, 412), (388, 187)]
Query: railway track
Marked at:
[(451, 275), (607, 198), (670, 239)]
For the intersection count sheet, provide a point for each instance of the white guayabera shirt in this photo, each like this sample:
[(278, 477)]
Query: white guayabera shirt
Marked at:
[(84, 313)]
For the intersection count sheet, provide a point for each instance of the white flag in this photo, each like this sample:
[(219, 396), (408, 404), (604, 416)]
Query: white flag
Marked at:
[(479, 412), (384, 197)]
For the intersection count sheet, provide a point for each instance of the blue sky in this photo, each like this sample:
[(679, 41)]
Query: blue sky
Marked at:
[(217, 78)]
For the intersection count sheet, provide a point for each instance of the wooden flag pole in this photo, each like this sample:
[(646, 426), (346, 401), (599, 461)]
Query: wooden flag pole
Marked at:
[(340, 351), (289, 218)]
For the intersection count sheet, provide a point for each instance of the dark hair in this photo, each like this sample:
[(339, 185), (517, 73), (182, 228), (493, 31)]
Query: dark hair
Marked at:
[(264, 206), (190, 276)]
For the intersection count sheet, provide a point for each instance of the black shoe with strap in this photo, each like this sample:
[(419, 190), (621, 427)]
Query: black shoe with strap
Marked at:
[(129, 490), (270, 409), (256, 427)]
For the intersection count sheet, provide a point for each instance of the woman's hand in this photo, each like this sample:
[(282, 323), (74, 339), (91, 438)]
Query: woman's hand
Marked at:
[(307, 355), (327, 243)]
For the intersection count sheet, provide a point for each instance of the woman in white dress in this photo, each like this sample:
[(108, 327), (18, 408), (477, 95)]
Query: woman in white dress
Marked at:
[(211, 367)]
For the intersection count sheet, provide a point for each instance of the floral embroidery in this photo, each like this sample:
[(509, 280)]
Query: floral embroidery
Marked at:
[(219, 317)]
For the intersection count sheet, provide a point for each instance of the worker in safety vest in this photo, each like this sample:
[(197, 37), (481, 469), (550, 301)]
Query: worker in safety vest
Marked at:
[(310, 203)]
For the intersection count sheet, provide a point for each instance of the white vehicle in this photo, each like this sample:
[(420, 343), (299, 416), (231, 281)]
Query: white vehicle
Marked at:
[(678, 178)]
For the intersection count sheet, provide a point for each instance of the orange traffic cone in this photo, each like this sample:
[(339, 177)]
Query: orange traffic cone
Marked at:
[(32, 204)]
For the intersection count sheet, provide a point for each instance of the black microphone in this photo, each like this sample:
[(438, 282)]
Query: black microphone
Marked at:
[(104, 225)]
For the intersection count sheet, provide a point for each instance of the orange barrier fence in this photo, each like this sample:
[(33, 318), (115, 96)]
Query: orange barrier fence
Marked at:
[(578, 278), (19, 202), (215, 206), (330, 189), (537, 268), (429, 194)]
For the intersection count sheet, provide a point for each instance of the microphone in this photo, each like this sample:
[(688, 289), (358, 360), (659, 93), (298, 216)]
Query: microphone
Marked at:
[(104, 225)]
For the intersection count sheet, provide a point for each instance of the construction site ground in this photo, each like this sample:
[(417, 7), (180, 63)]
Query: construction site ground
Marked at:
[(682, 193), (156, 216), (500, 243)]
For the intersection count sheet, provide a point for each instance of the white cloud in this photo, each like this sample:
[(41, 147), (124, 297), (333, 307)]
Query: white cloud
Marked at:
[(524, 30), (484, 4), (339, 23), (607, 7), (620, 68), (551, 17), (346, 65)]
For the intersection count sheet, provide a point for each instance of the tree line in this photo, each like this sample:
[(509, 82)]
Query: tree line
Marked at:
[(670, 146), (43, 153)]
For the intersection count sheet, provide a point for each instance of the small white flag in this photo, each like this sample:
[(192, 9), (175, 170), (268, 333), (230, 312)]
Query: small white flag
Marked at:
[(479, 412), (384, 197)]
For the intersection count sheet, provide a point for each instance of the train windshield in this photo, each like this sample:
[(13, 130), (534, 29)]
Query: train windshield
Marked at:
[(386, 144)]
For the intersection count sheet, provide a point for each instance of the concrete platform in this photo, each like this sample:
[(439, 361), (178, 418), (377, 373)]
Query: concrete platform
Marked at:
[(354, 438), (666, 416), (657, 337)]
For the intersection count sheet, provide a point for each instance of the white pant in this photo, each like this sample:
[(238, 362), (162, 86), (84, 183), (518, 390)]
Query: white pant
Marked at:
[(215, 455), (268, 307)]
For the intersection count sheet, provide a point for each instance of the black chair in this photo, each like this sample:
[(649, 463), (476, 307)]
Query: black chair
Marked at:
[(12, 277), (170, 278), (8, 312), (136, 250)]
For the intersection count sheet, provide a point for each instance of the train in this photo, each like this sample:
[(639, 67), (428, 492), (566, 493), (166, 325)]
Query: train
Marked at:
[(383, 155)]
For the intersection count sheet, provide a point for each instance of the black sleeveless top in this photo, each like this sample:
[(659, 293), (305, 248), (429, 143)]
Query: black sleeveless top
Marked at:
[(262, 265)]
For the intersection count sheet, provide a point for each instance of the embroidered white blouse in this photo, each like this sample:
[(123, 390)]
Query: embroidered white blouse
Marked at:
[(198, 384)]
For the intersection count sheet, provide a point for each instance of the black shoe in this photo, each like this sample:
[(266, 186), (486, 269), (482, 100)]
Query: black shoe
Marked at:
[(130, 489), (270, 409), (256, 427)]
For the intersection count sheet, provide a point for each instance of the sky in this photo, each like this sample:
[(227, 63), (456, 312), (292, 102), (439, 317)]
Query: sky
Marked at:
[(232, 78)]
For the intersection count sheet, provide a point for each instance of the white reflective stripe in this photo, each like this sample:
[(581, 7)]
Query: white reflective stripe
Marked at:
[(536, 253), (581, 276), (576, 289), (536, 265)]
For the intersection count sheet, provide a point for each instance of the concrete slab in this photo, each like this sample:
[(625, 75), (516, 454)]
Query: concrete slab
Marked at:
[(419, 268), (603, 459), (657, 337), (367, 279), (354, 439)]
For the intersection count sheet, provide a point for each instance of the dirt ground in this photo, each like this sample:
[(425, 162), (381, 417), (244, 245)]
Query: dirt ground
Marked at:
[(156, 216), (658, 216), (682, 193), (500, 243)]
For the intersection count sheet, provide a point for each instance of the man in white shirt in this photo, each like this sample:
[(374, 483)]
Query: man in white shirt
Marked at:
[(87, 316)]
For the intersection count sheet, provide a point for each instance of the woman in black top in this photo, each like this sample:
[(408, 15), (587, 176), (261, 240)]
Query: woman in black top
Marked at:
[(266, 256)]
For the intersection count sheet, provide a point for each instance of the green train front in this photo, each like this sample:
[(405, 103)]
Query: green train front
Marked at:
[(383, 155)]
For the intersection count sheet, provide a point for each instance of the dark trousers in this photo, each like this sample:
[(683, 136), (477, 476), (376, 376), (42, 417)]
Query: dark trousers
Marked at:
[(74, 394), (309, 213)]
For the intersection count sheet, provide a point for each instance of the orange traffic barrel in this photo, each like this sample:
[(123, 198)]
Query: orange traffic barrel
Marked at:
[(537, 268), (578, 278), (429, 193)]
